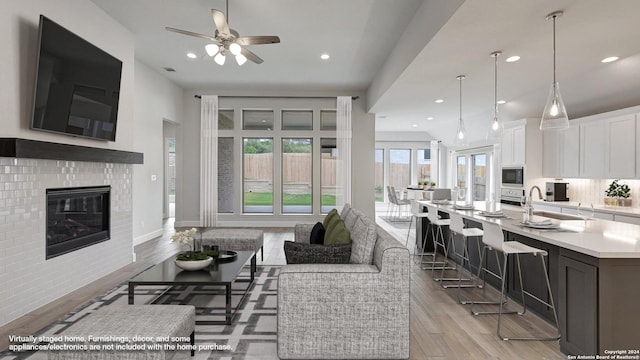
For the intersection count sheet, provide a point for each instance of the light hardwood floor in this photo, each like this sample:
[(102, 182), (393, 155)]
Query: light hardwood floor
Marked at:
[(440, 327)]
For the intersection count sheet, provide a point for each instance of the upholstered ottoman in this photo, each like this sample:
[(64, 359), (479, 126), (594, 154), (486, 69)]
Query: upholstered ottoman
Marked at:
[(129, 332), (236, 240)]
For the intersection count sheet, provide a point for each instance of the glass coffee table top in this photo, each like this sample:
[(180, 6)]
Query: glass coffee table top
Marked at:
[(167, 272)]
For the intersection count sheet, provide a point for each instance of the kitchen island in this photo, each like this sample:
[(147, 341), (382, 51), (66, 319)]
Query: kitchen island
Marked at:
[(594, 269)]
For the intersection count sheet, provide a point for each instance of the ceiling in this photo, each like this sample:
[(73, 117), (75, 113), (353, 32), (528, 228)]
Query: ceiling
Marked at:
[(363, 35)]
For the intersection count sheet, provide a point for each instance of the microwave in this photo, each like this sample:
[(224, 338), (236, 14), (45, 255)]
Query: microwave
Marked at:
[(513, 176)]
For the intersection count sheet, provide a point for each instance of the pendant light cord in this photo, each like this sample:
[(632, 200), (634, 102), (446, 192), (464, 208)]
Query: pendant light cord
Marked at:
[(495, 85), (554, 49), (461, 99)]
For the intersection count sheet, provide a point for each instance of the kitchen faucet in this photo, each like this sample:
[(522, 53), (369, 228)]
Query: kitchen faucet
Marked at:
[(530, 207)]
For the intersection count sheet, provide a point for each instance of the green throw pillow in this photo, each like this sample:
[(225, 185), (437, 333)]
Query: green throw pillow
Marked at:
[(330, 216), (338, 234)]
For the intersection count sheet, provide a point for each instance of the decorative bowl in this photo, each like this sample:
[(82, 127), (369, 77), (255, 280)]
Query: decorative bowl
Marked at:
[(193, 265)]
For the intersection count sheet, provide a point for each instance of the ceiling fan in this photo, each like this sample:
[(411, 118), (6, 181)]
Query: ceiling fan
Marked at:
[(226, 40)]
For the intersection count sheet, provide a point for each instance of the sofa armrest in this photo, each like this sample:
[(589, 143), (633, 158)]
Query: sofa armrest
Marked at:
[(302, 233)]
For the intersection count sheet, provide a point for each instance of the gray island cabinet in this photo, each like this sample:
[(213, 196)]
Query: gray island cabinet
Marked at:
[(594, 271)]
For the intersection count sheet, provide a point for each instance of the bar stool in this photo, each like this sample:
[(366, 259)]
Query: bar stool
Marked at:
[(457, 227), (416, 213), (436, 223), (494, 239)]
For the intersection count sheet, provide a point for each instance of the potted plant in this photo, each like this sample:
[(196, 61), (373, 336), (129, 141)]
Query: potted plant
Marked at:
[(618, 194), (193, 259)]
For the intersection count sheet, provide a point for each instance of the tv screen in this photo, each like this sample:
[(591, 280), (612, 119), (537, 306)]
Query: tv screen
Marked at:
[(77, 85)]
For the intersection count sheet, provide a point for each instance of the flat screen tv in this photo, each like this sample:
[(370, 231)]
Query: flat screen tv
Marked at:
[(77, 85)]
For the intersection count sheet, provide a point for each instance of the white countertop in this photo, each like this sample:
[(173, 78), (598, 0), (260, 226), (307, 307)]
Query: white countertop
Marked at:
[(598, 238), (622, 210)]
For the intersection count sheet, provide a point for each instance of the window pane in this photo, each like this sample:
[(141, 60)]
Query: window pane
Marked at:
[(399, 168), (328, 161), (225, 175), (258, 175), (461, 177), (379, 175), (297, 120), (327, 119), (479, 177), (297, 176), (225, 119), (424, 165), (257, 119)]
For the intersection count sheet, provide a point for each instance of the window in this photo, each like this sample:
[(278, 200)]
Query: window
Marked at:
[(297, 175), (424, 165), (399, 168), (258, 175), (225, 175), (257, 119), (297, 120), (479, 177), (225, 119), (379, 175), (461, 170), (328, 120), (328, 161)]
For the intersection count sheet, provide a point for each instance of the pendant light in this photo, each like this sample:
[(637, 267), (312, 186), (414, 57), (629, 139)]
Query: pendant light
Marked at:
[(554, 116), (460, 134), (494, 132)]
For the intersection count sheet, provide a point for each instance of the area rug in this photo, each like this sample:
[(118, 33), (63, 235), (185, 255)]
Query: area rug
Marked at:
[(251, 336), (398, 222)]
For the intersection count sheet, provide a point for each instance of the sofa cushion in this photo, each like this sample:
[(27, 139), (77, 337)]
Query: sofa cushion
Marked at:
[(330, 216), (363, 237), (337, 234), (317, 234), (345, 210), (299, 253), (350, 219)]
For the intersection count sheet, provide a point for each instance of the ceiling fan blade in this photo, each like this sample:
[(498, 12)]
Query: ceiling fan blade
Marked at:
[(220, 21), (251, 56), (257, 40), (185, 32)]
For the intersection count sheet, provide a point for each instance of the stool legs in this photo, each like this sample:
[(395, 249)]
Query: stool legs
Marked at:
[(459, 279), (433, 264)]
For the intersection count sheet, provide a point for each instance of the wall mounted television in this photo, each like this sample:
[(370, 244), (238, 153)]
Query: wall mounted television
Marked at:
[(77, 85)]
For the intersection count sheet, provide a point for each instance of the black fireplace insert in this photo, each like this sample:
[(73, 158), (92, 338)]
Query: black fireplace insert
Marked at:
[(76, 218)]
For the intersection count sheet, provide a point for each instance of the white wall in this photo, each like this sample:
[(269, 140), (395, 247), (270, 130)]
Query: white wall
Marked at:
[(188, 158), (156, 99)]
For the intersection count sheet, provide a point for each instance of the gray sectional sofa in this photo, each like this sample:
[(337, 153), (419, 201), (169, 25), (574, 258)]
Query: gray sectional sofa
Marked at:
[(358, 310)]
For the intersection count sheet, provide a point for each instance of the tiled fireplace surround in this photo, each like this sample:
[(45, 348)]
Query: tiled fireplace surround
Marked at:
[(27, 280)]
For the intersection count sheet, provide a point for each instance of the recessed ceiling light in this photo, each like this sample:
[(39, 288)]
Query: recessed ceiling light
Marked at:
[(513, 58), (192, 55), (439, 101), (415, 125), (500, 102), (610, 59), (430, 118), (324, 56)]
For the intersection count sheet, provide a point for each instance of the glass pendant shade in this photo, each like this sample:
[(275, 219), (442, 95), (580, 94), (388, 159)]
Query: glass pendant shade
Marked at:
[(460, 137), (220, 58), (554, 116), (494, 131)]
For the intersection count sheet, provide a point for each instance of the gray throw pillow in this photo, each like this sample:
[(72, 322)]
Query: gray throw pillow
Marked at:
[(300, 253), (363, 238)]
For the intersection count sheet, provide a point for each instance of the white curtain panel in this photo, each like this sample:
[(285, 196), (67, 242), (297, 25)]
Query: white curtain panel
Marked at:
[(343, 143), (209, 160)]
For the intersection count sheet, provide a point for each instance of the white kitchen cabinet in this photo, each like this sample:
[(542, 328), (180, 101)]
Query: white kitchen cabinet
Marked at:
[(592, 149), (628, 219), (621, 147), (561, 153), (514, 145)]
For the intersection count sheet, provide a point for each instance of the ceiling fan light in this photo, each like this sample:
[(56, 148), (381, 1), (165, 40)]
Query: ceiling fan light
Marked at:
[(219, 59), (235, 49), (211, 49), (241, 59)]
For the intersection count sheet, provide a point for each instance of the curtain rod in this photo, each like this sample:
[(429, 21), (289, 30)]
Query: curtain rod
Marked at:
[(280, 97)]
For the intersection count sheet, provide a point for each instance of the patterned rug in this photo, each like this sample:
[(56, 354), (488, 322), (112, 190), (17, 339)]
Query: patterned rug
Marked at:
[(251, 336)]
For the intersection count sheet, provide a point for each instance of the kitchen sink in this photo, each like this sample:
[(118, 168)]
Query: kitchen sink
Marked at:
[(555, 215)]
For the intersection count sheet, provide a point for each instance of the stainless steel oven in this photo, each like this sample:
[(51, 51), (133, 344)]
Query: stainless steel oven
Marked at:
[(513, 176), (511, 196)]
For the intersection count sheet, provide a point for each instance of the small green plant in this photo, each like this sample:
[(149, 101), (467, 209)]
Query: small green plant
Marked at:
[(618, 190), (192, 256)]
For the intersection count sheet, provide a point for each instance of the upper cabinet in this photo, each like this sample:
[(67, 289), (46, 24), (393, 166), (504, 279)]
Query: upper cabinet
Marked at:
[(603, 146), (621, 147), (520, 146), (514, 143)]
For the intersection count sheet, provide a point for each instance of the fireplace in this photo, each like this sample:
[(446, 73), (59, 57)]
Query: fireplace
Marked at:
[(76, 218)]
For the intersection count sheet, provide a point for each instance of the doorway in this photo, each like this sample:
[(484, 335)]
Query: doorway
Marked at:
[(169, 203)]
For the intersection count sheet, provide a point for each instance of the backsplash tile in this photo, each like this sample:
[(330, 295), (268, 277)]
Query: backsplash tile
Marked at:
[(592, 190), (33, 280)]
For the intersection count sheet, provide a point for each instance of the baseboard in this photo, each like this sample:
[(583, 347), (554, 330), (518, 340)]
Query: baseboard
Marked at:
[(146, 237), (186, 223)]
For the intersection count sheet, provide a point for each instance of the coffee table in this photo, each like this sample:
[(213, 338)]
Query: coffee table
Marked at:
[(222, 274)]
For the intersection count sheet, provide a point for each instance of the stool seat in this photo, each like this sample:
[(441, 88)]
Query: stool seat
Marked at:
[(467, 232), (515, 247)]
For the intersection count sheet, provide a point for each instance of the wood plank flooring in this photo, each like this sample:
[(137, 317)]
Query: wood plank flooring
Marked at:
[(440, 327)]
